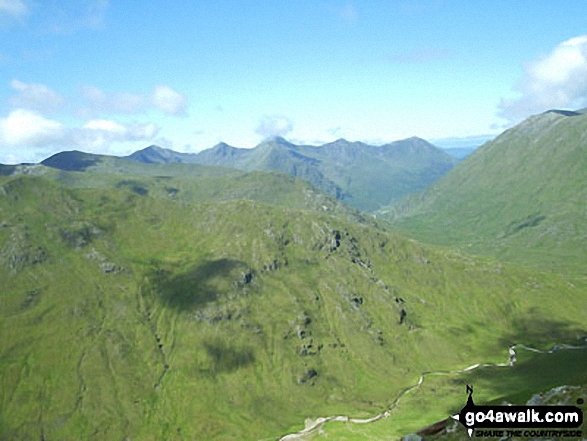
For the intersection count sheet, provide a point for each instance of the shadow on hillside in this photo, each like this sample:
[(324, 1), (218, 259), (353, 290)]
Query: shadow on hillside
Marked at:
[(534, 330), (197, 286), (226, 358), (534, 372)]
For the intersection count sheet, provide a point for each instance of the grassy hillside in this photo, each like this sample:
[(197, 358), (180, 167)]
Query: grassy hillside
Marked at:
[(129, 315), (363, 176), (521, 197), (187, 182)]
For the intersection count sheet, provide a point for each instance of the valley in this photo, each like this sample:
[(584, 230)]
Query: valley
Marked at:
[(174, 300)]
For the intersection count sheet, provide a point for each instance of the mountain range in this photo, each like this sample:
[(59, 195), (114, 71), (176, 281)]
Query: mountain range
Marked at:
[(521, 197), (361, 175), (175, 296)]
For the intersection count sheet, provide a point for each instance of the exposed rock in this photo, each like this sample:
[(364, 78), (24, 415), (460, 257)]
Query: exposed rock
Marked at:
[(307, 376), (557, 396), (402, 316), (247, 277), (433, 429), (80, 236), (111, 268), (19, 253), (172, 191), (271, 266), (335, 241), (411, 437), (31, 299)]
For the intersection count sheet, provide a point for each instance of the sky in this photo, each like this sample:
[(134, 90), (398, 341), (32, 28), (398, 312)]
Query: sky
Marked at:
[(112, 77)]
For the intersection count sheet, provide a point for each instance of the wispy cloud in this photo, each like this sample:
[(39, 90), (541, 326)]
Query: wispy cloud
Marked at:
[(99, 102), (24, 129), (274, 125), (169, 101), (558, 80), (163, 98), (99, 134), (35, 96), (13, 8), (69, 16)]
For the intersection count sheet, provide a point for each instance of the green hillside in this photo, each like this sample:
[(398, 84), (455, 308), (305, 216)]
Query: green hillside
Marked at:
[(521, 197), (187, 182), (129, 315), (361, 175)]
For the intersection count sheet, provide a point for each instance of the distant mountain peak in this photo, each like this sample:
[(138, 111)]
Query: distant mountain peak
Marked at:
[(154, 148), (564, 112), (277, 140), (157, 154), (222, 146)]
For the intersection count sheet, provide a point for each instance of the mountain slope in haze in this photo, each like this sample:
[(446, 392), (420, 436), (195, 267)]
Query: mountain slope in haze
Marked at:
[(363, 176), (126, 315), (460, 152), (187, 183), (521, 197), (157, 155)]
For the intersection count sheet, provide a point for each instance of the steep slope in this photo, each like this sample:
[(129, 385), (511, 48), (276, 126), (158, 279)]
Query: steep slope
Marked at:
[(158, 155), (374, 176), (73, 160), (186, 183), (363, 176), (125, 315), (521, 197), (221, 154)]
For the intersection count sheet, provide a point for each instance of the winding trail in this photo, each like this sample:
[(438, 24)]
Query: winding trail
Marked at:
[(318, 423)]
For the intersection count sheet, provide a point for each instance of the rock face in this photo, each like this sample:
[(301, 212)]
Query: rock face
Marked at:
[(307, 376), (20, 251)]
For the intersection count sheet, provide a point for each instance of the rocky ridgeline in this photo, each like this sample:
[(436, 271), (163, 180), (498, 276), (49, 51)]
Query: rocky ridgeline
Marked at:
[(20, 250)]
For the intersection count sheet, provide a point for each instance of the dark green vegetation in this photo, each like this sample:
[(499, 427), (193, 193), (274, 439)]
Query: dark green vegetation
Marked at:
[(361, 175), (135, 303), (164, 299), (460, 152), (521, 197)]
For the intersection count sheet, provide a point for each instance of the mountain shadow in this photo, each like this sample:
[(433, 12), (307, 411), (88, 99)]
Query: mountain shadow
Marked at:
[(534, 372), (226, 358), (196, 287), (539, 331)]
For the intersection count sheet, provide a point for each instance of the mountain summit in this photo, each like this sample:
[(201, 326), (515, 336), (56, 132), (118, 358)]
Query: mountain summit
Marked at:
[(521, 196), (362, 175)]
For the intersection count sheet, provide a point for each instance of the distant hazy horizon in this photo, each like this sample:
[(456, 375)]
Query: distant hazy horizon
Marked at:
[(113, 77)]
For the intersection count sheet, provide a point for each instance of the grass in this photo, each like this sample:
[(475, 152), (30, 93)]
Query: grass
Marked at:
[(153, 317), (520, 198)]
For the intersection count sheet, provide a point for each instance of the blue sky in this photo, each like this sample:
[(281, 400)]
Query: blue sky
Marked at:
[(115, 76)]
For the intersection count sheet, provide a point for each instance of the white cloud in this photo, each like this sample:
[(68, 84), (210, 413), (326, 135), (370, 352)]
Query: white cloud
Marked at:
[(26, 128), (274, 125), (23, 130), (35, 96), (169, 101), (98, 102), (105, 125), (99, 132), (68, 16), (163, 98), (14, 8), (558, 80)]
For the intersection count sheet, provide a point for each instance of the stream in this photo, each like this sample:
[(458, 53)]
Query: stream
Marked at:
[(312, 427)]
